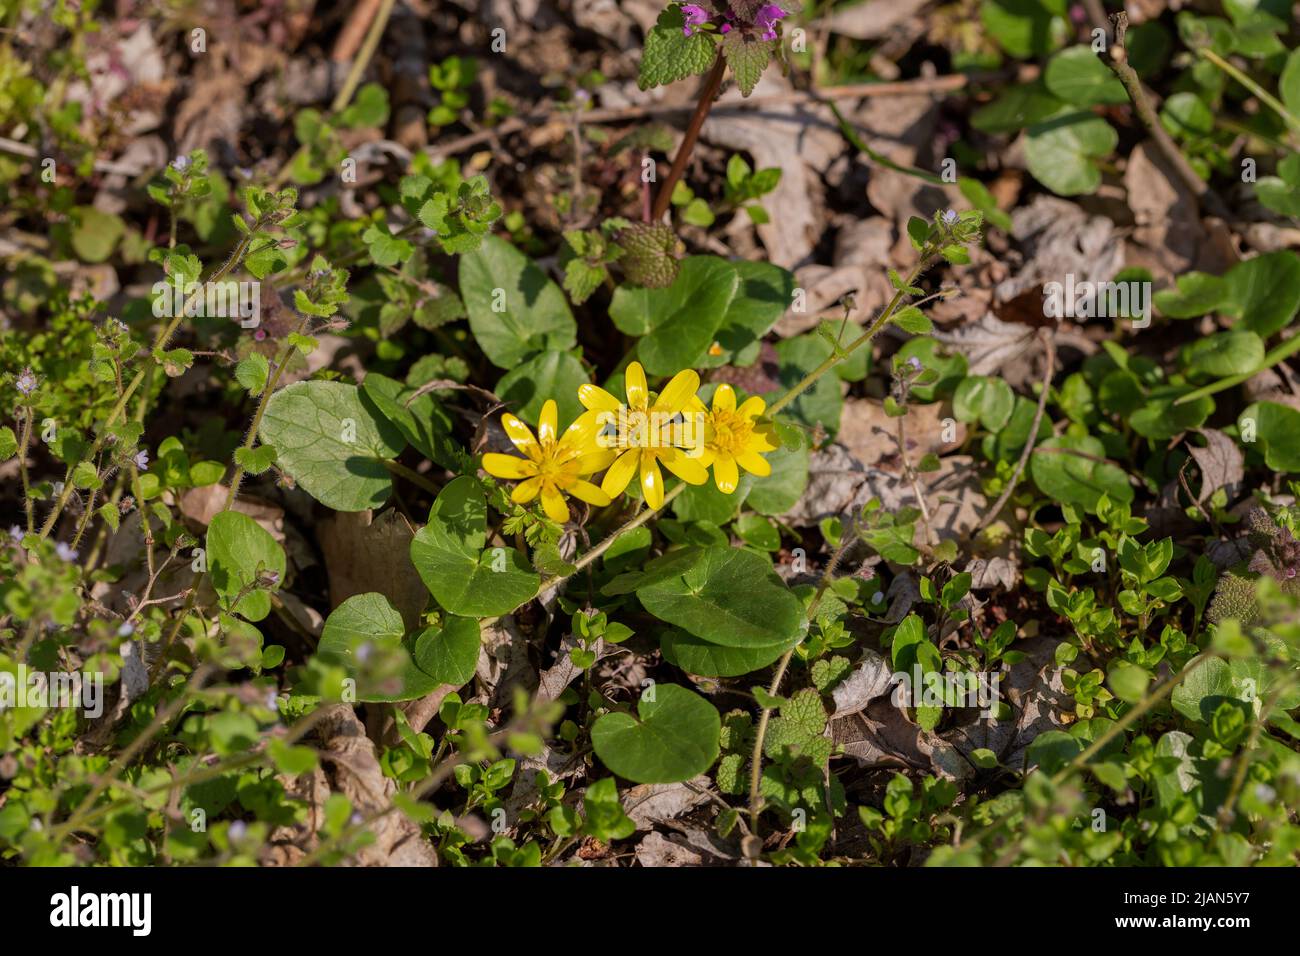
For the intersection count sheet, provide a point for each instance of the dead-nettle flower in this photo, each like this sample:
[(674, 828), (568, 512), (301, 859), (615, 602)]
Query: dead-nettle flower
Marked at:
[(693, 16), (766, 20), (26, 382)]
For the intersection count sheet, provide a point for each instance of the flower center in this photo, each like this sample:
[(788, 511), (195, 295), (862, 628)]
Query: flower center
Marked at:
[(730, 433)]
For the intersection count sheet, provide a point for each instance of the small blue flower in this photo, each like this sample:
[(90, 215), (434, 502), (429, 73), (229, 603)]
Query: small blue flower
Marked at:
[(26, 382), (126, 630), (65, 552), (142, 460), (950, 216)]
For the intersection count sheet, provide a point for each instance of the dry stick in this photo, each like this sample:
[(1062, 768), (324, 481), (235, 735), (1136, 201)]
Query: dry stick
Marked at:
[(1049, 342), (1118, 62), (925, 84), (351, 82), (707, 96), (354, 30)]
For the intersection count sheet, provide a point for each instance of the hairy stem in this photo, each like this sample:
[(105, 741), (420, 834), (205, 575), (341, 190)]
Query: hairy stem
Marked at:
[(707, 96)]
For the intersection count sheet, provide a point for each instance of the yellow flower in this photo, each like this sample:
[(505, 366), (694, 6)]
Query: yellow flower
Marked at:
[(732, 437), (647, 434), (555, 464)]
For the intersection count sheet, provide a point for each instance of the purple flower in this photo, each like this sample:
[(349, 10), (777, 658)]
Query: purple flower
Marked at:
[(65, 552), (237, 831), (15, 534), (766, 20), (950, 216), (142, 460), (364, 651), (725, 28), (915, 363), (693, 16), (126, 630), (181, 163), (27, 382)]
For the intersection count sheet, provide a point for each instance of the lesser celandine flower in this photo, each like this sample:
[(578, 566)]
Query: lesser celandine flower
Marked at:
[(555, 464), (646, 434), (733, 439)]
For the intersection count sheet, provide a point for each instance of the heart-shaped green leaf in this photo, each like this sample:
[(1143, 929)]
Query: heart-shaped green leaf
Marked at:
[(675, 738), (364, 634), (514, 309), (728, 597), (677, 323), (449, 654), (1070, 469), (449, 555), (1062, 152), (699, 657), (242, 556), (333, 443)]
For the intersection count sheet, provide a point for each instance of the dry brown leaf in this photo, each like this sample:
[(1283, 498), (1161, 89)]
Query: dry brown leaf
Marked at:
[(1221, 462), (364, 553), (871, 678), (648, 804)]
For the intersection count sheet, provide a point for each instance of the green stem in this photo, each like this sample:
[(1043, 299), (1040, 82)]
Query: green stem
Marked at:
[(1264, 96), (1273, 357), (414, 477), (159, 343)]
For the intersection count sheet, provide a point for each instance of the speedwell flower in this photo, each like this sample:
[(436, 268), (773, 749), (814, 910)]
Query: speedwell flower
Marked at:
[(733, 438), (646, 434), (555, 464)]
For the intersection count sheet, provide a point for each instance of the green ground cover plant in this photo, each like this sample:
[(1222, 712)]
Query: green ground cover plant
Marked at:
[(474, 459)]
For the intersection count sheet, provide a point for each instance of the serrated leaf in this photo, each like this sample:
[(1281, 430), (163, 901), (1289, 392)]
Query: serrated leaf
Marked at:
[(670, 55), (747, 59)]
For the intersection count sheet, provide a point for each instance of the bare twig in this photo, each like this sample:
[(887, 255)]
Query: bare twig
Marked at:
[(1118, 63)]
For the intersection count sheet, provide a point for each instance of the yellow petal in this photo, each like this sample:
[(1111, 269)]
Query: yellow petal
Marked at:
[(620, 473), (725, 475), (724, 399), (583, 434), (684, 467), (553, 504), (526, 491), (594, 397), (695, 405), (547, 424), (593, 461), (678, 392), (763, 438), (652, 482), (508, 466), (521, 435), (589, 493), (635, 385), (752, 407), (754, 463)]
